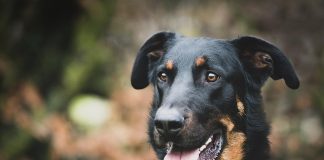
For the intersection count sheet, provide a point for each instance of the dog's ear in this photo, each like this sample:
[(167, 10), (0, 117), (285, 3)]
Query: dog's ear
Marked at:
[(151, 50), (262, 59)]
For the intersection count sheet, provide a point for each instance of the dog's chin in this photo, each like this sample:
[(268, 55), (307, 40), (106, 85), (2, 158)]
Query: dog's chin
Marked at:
[(210, 150)]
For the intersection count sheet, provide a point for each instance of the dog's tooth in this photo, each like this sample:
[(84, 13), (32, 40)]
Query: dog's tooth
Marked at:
[(169, 146), (209, 140), (205, 145), (202, 148)]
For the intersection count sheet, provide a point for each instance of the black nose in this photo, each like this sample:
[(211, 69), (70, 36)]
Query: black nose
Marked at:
[(168, 122)]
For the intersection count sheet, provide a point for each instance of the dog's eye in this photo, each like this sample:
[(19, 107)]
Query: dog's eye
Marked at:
[(211, 77), (163, 76)]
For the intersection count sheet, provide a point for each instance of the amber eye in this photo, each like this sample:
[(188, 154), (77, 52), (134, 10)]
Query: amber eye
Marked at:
[(163, 76), (211, 77)]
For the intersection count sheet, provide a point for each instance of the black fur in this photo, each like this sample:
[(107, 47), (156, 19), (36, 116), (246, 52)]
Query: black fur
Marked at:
[(243, 65)]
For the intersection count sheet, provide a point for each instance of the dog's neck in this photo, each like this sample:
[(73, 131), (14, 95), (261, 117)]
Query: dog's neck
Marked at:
[(257, 129)]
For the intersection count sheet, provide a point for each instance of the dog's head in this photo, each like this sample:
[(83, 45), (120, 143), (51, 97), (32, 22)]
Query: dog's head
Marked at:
[(200, 89)]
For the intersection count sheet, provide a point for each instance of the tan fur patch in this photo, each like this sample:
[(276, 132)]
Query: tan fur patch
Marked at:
[(200, 61), (235, 141), (240, 106), (169, 65), (234, 147), (226, 121)]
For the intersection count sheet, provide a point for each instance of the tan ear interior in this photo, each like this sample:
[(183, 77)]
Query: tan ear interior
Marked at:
[(258, 59), (261, 60)]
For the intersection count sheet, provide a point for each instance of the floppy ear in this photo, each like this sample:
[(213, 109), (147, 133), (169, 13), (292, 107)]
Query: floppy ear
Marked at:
[(152, 50), (262, 59)]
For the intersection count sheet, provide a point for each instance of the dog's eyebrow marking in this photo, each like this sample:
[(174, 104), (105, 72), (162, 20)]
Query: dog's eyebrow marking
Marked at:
[(200, 61), (169, 65)]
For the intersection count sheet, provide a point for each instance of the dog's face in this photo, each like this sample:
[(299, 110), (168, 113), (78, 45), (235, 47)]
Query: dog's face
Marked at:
[(194, 77), (198, 86)]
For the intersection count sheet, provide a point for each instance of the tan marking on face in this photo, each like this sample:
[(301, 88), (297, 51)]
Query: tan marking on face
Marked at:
[(240, 106), (234, 148), (169, 65), (200, 61), (227, 122), (235, 141)]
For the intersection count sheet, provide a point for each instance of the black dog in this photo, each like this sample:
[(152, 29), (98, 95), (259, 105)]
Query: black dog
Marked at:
[(207, 102)]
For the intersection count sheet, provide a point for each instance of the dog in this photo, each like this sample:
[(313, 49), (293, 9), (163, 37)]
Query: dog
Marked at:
[(207, 103)]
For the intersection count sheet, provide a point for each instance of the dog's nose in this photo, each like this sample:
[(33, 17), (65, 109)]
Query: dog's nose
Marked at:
[(168, 122)]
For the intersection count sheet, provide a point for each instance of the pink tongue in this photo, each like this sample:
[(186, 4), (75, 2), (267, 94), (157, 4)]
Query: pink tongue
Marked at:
[(184, 155)]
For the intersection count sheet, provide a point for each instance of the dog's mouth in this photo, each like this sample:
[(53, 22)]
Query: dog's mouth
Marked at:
[(210, 150)]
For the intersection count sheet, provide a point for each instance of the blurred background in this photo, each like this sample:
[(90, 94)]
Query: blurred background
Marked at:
[(65, 65)]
